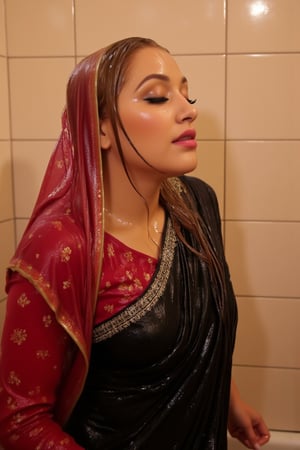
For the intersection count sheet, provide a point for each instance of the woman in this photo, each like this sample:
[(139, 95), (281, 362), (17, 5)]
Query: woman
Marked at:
[(121, 317)]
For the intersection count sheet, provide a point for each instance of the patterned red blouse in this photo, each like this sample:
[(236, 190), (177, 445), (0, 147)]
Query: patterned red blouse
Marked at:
[(125, 275), (36, 349)]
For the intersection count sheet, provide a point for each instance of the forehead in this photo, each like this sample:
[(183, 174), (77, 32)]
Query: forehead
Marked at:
[(151, 60)]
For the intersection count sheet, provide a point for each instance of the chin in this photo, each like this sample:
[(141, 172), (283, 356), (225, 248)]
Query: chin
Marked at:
[(189, 168), (180, 173), (180, 170)]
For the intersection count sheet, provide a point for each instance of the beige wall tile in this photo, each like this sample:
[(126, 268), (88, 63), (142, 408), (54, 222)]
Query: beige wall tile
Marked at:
[(273, 392), (206, 75), (201, 28), (3, 50), (30, 161), (262, 180), (20, 228), (264, 258), (4, 105), (211, 167), (263, 26), (7, 242), (272, 326), (6, 197), (38, 96), (263, 96), (40, 28)]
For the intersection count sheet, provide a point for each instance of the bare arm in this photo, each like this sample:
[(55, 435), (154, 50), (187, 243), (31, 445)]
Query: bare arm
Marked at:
[(244, 423)]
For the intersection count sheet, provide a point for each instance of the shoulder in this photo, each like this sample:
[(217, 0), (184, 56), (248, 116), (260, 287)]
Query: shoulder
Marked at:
[(200, 189), (52, 257), (50, 242), (204, 199), (54, 232)]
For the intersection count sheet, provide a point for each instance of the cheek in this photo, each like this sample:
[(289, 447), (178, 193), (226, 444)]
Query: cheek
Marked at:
[(140, 123)]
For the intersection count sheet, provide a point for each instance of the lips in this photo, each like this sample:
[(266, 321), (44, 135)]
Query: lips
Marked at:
[(187, 139), (188, 135)]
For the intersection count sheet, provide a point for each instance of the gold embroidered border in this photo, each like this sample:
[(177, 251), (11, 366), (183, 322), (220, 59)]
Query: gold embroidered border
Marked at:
[(138, 309)]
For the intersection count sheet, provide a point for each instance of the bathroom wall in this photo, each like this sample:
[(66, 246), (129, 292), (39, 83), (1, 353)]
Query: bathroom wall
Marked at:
[(7, 235), (242, 59)]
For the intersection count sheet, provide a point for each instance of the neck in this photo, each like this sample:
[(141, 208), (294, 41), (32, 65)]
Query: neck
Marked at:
[(133, 202), (134, 216), (128, 210)]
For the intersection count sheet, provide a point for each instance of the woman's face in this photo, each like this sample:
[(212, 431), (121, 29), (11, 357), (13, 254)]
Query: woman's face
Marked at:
[(157, 115)]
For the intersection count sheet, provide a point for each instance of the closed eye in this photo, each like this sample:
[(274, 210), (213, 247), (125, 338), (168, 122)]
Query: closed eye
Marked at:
[(165, 99), (156, 99)]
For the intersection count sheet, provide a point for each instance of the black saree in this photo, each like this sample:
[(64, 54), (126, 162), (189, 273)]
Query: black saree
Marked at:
[(160, 370)]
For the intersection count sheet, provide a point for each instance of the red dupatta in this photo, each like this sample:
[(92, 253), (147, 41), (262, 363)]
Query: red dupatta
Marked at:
[(60, 252)]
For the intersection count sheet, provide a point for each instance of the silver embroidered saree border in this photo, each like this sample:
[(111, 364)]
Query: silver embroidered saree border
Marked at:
[(148, 300)]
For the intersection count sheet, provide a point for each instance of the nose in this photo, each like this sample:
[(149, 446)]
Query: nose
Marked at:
[(187, 112)]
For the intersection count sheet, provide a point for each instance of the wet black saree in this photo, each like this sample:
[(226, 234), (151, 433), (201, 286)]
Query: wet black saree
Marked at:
[(160, 370)]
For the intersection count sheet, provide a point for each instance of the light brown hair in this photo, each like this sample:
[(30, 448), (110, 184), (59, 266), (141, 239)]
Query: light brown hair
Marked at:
[(111, 74)]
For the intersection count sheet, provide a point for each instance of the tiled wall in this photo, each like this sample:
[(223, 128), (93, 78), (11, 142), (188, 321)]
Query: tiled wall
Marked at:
[(242, 59), (7, 235)]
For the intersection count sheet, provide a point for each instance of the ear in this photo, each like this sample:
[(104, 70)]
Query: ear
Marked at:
[(105, 134)]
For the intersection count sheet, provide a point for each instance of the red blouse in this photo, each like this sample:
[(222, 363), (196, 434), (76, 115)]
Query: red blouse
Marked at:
[(125, 275), (36, 350)]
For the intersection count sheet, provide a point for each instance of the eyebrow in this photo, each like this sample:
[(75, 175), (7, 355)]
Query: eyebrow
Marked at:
[(158, 76)]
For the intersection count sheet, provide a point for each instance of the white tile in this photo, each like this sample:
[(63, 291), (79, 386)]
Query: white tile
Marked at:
[(38, 93), (40, 27), (20, 228), (30, 162), (264, 258), (262, 180), (199, 28), (267, 327), (275, 393), (6, 198), (263, 96), (3, 50), (4, 103), (263, 26)]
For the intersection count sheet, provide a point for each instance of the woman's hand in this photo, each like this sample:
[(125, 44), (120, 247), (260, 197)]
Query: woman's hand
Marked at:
[(244, 423)]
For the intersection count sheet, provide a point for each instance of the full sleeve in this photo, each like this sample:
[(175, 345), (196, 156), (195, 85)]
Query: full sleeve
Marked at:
[(36, 352)]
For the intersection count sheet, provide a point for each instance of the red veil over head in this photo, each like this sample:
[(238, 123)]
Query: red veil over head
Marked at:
[(60, 252)]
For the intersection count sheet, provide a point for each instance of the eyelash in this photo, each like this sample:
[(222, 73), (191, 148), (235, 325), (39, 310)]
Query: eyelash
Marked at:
[(155, 100)]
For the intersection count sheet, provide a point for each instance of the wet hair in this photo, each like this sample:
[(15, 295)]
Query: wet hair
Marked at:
[(111, 76), (112, 71)]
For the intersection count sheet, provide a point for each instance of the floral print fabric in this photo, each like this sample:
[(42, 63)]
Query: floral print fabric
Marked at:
[(35, 354), (125, 275), (30, 395)]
